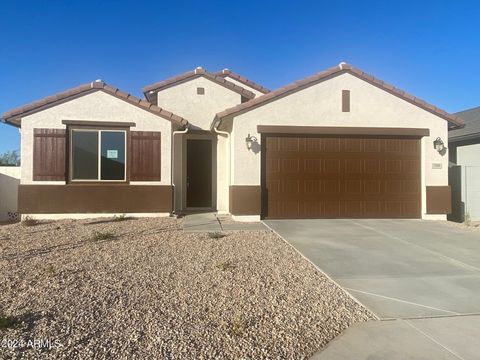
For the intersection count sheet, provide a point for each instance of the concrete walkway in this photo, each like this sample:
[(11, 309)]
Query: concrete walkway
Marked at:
[(211, 222), (425, 273)]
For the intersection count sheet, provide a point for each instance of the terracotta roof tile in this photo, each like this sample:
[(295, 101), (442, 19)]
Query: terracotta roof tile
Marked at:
[(454, 120), (14, 116), (243, 80), (150, 91)]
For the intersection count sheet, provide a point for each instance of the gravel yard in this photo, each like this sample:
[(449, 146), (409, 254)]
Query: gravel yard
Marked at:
[(142, 289)]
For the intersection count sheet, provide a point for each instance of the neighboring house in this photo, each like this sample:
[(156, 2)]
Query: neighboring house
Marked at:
[(339, 144), (464, 147)]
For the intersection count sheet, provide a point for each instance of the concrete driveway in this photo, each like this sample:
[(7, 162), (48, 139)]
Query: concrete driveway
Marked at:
[(423, 274), (397, 268)]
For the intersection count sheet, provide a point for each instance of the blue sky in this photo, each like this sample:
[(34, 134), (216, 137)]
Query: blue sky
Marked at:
[(431, 49)]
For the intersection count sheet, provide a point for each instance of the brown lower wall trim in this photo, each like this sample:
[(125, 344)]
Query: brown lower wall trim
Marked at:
[(439, 200), (60, 199), (245, 199), (342, 130)]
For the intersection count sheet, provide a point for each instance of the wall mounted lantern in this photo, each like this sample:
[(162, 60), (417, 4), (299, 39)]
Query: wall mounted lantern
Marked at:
[(249, 140), (439, 145)]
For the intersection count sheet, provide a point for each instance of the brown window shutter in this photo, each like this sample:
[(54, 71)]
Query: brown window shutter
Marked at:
[(49, 154), (144, 156)]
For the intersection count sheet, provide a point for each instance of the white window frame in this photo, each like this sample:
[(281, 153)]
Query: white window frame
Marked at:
[(99, 170)]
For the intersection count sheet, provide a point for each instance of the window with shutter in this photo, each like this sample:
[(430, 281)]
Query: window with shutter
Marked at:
[(49, 151), (145, 155)]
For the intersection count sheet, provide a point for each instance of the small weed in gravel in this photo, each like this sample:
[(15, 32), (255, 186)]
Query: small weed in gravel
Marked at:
[(50, 270), (224, 265), (122, 217), (216, 235), (6, 322), (238, 326), (101, 236), (29, 221)]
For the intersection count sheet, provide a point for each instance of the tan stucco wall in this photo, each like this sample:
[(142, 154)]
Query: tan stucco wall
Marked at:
[(255, 91), (183, 100), (223, 173), (9, 181), (97, 106), (320, 105)]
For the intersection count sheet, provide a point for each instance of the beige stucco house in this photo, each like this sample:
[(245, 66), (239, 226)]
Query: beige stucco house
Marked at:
[(339, 144)]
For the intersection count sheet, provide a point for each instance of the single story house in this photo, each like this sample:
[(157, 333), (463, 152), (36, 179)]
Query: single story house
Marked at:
[(338, 144), (464, 144)]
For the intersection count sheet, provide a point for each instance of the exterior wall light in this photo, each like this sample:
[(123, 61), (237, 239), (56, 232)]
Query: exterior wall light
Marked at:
[(439, 145), (249, 140)]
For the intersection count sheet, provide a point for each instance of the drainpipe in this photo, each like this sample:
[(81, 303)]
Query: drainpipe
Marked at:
[(172, 170), (227, 134)]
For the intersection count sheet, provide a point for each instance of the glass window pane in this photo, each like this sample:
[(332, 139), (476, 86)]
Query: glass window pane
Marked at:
[(85, 155), (113, 155)]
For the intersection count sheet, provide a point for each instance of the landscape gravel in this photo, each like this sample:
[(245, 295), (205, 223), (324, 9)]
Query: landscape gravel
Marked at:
[(144, 289)]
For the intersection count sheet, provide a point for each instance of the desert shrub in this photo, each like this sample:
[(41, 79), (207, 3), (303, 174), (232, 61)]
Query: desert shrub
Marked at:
[(225, 265), (216, 235), (29, 221), (6, 322), (102, 236), (122, 217), (238, 326)]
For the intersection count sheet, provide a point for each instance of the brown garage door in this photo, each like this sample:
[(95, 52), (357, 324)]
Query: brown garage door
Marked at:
[(340, 177)]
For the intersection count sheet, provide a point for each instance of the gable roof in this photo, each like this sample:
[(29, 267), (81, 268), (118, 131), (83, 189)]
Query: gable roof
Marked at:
[(150, 90), (14, 116), (471, 117), (243, 80), (454, 121)]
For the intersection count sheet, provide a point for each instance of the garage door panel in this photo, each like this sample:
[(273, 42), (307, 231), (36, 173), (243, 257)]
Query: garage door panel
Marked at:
[(411, 187), (372, 186), (331, 209), (394, 146), (411, 167), (353, 187), (316, 177), (373, 146), (290, 166), (353, 209), (290, 144), (373, 209), (332, 166), (411, 207), (354, 166), (353, 145), (393, 166)]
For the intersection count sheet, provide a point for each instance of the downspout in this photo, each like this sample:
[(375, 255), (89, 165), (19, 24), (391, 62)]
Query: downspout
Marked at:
[(172, 170), (227, 134)]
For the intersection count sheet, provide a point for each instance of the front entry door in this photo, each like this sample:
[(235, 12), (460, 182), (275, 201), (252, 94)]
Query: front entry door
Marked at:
[(199, 173)]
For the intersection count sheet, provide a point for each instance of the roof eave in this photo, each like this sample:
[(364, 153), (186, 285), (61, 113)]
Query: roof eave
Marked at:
[(11, 123), (244, 81), (460, 138), (86, 89)]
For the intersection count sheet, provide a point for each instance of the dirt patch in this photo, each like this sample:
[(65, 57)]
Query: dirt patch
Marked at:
[(145, 289)]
